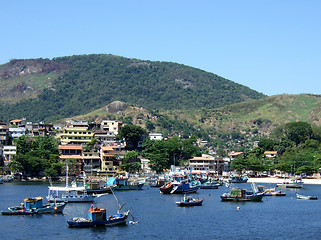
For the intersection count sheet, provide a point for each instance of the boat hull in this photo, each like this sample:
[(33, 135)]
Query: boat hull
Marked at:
[(196, 202), (72, 199), (83, 223), (253, 198), (43, 210)]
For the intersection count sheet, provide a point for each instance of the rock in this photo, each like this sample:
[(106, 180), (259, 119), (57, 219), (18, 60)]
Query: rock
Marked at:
[(116, 106)]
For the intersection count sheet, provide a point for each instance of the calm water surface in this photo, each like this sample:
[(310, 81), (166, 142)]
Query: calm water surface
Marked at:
[(160, 218)]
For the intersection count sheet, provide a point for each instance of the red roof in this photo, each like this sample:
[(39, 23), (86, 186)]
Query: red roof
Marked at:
[(68, 147)]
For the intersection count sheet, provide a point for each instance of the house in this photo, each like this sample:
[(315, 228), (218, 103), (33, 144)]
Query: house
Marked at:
[(92, 163), (18, 123), (8, 153), (111, 160), (72, 153), (233, 155), (105, 138), (156, 136), (271, 154), (16, 132), (77, 135), (111, 126), (206, 164), (144, 165), (4, 135)]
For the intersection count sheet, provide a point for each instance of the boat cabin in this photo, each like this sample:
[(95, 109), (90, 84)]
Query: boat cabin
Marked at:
[(30, 203), (237, 192), (96, 214)]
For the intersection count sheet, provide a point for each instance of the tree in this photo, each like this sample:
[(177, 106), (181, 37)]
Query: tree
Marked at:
[(131, 162), (132, 135)]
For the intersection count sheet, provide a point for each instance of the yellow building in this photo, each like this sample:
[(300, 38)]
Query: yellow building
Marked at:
[(111, 126), (111, 160), (76, 136)]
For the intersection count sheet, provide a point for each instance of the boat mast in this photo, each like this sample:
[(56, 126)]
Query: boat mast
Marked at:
[(66, 174)]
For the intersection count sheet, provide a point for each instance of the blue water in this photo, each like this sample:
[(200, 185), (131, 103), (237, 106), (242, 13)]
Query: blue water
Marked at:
[(160, 218)]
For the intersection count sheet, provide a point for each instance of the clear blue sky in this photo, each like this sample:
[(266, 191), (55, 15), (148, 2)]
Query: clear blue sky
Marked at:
[(272, 46)]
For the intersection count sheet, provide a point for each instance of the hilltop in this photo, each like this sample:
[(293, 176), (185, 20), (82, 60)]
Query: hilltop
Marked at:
[(47, 90)]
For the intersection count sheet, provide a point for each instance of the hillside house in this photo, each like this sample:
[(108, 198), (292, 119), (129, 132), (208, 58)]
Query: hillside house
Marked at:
[(271, 154), (72, 153), (206, 164), (156, 136), (76, 135)]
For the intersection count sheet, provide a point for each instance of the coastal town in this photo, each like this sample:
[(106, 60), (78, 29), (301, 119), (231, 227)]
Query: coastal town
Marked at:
[(106, 158)]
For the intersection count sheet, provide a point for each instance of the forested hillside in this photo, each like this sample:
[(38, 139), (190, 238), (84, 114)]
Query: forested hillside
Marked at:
[(75, 85)]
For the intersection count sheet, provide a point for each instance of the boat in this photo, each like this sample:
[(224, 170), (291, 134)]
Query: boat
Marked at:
[(122, 183), (240, 195), (237, 179), (304, 197), (210, 185), (187, 201), (34, 205), (294, 183), (72, 194), (181, 184), (98, 217), (270, 191), (166, 188), (157, 182)]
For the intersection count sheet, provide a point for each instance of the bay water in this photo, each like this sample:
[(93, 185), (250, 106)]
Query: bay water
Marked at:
[(158, 216)]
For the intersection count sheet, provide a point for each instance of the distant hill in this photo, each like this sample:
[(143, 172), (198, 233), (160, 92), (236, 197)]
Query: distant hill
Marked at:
[(236, 124), (47, 90)]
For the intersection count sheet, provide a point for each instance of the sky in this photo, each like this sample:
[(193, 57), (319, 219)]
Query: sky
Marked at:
[(273, 47)]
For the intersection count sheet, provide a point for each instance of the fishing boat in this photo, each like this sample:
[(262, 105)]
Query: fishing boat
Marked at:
[(304, 197), (166, 188), (187, 201), (98, 217), (181, 184), (237, 179), (241, 195), (72, 194), (294, 183), (270, 191), (210, 185), (34, 206), (122, 183)]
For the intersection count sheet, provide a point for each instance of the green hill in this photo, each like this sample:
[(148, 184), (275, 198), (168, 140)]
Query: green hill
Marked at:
[(48, 90)]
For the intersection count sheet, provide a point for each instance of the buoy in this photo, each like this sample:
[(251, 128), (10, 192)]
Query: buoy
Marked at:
[(238, 208)]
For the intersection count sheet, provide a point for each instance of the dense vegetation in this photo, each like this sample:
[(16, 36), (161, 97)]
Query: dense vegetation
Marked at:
[(89, 82), (298, 145)]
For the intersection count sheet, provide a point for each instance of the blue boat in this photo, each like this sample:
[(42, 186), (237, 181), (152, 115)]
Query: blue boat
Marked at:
[(98, 217), (181, 184), (34, 206), (122, 183)]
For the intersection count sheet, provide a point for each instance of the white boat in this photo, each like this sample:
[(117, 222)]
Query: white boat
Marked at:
[(304, 197), (294, 183), (69, 193)]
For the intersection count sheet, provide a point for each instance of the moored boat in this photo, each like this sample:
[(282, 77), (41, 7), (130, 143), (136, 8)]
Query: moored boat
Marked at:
[(187, 201), (294, 183), (98, 217), (122, 183), (240, 195), (181, 184), (237, 179), (305, 197), (210, 185), (166, 188), (34, 206)]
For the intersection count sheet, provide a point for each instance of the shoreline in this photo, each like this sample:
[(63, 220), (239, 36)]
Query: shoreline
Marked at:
[(279, 180)]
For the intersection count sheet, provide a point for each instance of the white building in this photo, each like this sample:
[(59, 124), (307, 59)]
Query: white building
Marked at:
[(156, 136), (8, 153), (17, 132)]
